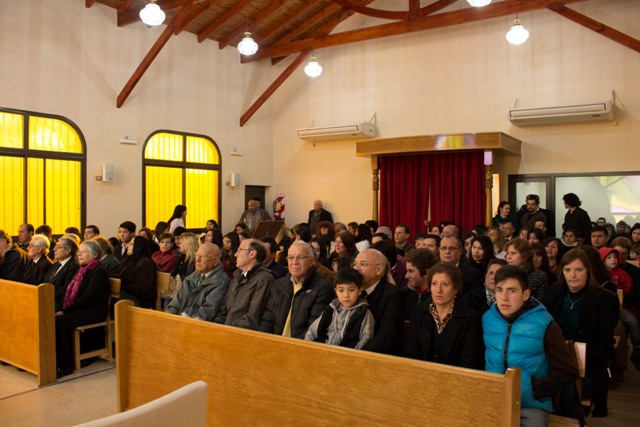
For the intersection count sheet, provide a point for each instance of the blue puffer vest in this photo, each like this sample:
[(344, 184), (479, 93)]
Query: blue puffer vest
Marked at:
[(524, 342)]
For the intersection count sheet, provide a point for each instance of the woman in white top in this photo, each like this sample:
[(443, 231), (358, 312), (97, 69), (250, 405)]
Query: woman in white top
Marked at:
[(178, 217)]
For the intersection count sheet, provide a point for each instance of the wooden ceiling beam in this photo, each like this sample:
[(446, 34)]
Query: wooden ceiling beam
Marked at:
[(274, 86), (131, 15), (126, 4), (300, 29), (89, 3), (598, 27), (283, 23), (394, 15), (462, 16), (237, 32), (231, 12), (435, 7), (177, 22)]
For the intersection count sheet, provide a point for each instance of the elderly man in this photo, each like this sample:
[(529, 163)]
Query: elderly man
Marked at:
[(451, 251), (203, 292), (254, 214), (386, 302), (13, 259), (317, 215), (39, 264), (450, 230), (250, 288), (64, 268), (298, 298), (25, 233)]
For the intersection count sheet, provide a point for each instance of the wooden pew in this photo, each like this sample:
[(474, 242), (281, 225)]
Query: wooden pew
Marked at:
[(27, 328), (261, 379)]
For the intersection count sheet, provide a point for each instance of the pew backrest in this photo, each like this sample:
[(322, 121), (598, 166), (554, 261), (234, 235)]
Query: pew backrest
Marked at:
[(27, 328), (261, 379)]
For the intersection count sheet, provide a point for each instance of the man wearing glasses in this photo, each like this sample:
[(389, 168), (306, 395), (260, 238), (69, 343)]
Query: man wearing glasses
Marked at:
[(39, 264), (249, 290), (298, 298), (63, 270), (203, 292), (451, 251), (386, 302)]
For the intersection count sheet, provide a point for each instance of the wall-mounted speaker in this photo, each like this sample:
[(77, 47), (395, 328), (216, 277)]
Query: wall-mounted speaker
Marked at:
[(234, 179), (108, 172)]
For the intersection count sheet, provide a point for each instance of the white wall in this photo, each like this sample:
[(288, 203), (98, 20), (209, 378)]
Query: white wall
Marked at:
[(460, 79)]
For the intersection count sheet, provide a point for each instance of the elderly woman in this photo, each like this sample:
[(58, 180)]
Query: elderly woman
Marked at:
[(85, 302), (520, 254), (445, 330), (138, 275), (586, 313), (481, 299)]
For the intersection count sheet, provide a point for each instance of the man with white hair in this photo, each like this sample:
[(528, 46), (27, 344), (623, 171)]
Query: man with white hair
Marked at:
[(203, 292), (386, 302), (317, 215), (39, 263), (298, 298)]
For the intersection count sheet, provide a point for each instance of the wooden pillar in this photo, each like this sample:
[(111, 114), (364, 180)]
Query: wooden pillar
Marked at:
[(375, 186), (488, 186)]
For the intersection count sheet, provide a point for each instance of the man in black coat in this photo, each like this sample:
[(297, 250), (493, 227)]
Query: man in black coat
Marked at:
[(451, 251), (39, 263), (63, 270), (386, 302), (317, 215), (298, 298), (13, 260)]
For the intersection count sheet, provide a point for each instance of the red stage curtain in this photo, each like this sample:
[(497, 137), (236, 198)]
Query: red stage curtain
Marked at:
[(451, 183)]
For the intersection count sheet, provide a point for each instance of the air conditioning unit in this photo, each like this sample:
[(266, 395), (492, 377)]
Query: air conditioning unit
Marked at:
[(336, 133), (584, 113)]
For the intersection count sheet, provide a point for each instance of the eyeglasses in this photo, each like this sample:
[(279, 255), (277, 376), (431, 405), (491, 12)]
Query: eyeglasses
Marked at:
[(59, 247), (362, 264), (204, 257), (298, 258), (449, 248)]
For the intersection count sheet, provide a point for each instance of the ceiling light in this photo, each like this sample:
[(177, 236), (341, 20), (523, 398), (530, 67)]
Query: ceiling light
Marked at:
[(478, 3), (313, 69), (247, 46), (517, 34), (152, 15)]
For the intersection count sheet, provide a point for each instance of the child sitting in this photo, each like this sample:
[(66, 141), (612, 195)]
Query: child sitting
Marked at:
[(628, 314), (165, 258), (346, 321)]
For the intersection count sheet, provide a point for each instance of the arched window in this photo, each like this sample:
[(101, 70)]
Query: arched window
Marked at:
[(181, 169), (42, 159)]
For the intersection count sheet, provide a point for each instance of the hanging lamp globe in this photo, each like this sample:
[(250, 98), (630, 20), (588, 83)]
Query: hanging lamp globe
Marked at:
[(247, 45), (313, 69), (517, 34), (152, 15)]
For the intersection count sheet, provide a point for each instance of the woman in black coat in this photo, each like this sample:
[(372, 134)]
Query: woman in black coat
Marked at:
[(85, 302), (586, 313), (138, 275), (455, 338)]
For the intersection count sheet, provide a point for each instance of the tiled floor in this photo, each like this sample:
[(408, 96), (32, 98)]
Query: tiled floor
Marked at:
[(91, 393)]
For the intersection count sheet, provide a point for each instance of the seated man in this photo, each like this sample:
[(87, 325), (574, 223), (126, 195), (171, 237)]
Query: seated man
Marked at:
[(451, 251), (298, 298), (126, 233), (520, 333), (14, 259), (39, 264), (418, 288), (25, 233), (203, 292), (599, 237), (249, 291), (63, 270), (401, 237)]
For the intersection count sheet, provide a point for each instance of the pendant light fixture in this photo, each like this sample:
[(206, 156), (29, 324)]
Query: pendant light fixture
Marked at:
[(152, 15), (517, 34), (313, 69), (478, 3), (248, 45)]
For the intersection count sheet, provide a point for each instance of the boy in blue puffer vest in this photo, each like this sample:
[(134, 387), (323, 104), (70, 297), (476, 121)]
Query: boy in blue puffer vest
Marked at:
[(520, 333)]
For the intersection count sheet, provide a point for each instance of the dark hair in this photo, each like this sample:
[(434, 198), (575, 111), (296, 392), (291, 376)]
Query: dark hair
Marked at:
[(498, 261), (502, 205), (487, 247), (389, 250), (422, 259), (513, 272), (538, 233), (434, 237), (585, 259), (572, 200), (622, 241), (129, 226), (600, 272), (5, 236), (405, 227), (324, 244), (177, 212), (331, 230), (273, 245), (383, 236), (372, 224), (363, 232), (261, 251), (114, 241), (215, 224), (450, 270), (349, 243), (45, 229), (161, 227), (94, 229), (235, 240), (179, 231), (600, 228), (30, 228), (147, 231), (524, 249), (538, 249), (241, 224), (342, 262), (140, 248), (70, 230), (533, 197), (167, 236), (480, 229), (353, 225), (561, 247), (304, 233), (634, 228), (348, 275), (70, 244)]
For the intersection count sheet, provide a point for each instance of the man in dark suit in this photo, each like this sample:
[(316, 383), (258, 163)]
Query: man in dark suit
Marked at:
[(451, 251), (63, 270), (38, 265), (386, 302), (317, 215), (126, 233), (25, 233), (13, 260)]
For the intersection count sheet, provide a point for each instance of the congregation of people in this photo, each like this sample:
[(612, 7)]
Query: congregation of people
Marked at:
[(506, 296)]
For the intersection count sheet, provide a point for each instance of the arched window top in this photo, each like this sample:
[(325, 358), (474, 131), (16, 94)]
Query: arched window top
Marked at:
[(45, 133), (179, 147)]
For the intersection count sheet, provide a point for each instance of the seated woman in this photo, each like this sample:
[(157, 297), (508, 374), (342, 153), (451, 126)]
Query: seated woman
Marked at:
[(520, 254), (535, 236), (230, 245), (213, 232), (587, 313), (445, 330), (541, 262), (481, 252), (345, 246), (186, 263), (497, 239), (85, 302), (554, 248), (138, 275), (363, 237)]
